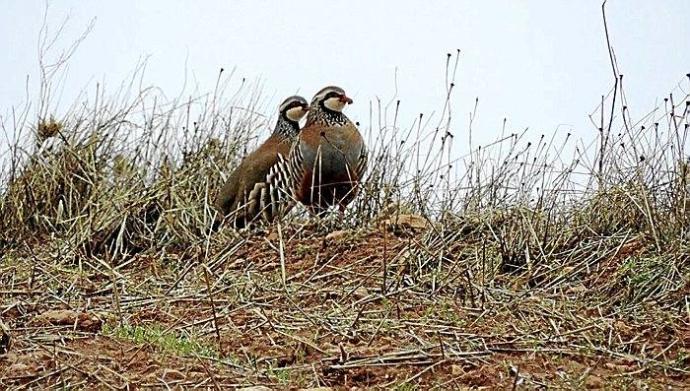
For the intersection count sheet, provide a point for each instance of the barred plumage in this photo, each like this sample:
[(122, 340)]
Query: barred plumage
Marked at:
[(258, 187)]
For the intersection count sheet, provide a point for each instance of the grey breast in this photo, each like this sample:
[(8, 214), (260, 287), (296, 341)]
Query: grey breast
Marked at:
[(335, 155)]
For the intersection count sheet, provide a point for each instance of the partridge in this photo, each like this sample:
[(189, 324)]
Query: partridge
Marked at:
[(329, 158), (256, 189)]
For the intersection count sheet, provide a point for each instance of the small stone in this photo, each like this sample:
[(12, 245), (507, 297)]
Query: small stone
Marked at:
[(57, 317), (272, 236), (406, 223), (593, 381), (360, 292)]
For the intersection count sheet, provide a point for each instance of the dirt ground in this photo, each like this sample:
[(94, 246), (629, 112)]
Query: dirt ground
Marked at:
[(316, 310)]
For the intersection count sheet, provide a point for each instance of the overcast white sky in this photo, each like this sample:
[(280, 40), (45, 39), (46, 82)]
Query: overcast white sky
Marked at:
[(538, 63)]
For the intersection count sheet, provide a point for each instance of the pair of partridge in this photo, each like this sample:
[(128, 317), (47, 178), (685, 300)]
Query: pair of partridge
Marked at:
[(255, 190), (325, 163)]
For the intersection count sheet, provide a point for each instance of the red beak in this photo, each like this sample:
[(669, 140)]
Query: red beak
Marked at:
[(345, 99)]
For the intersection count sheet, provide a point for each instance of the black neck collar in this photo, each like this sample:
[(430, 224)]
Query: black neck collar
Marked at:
[(285, 128)]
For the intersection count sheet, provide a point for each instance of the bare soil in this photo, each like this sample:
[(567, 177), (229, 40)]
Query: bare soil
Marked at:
[(330, 323)]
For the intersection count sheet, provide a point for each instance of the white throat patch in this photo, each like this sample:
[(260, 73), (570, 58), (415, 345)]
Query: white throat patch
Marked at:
[(296, 113), (334, 104)]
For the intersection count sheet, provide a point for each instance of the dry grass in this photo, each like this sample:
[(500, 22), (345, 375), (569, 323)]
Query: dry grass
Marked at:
[(512, 266)]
